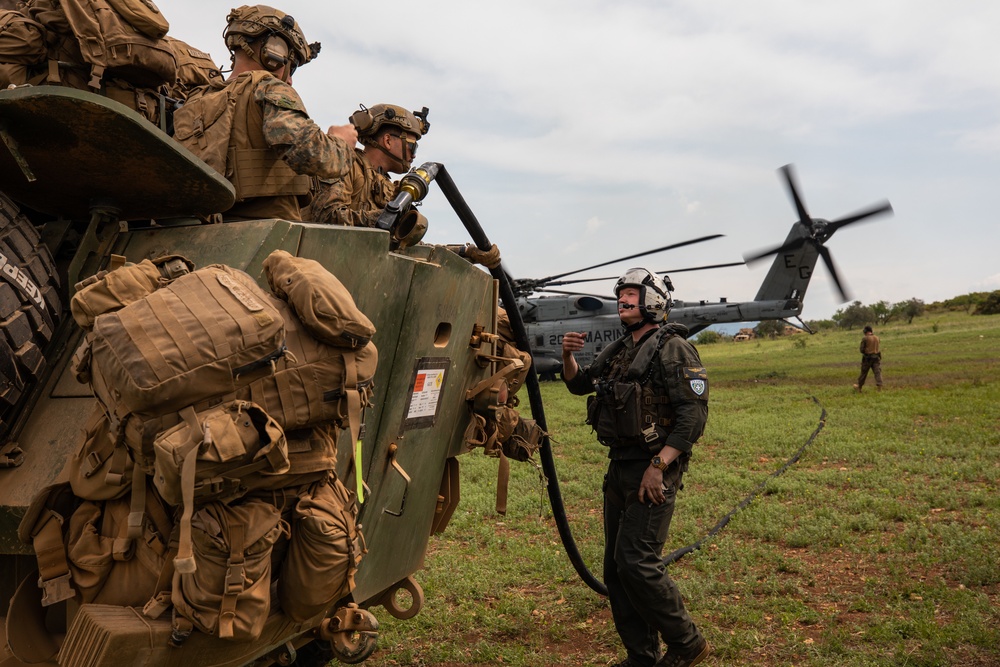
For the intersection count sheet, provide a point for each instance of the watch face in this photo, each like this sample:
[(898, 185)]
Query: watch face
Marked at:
[(657, 461)]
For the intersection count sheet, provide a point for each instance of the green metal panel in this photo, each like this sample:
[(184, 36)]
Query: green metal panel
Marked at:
[(445, 292)]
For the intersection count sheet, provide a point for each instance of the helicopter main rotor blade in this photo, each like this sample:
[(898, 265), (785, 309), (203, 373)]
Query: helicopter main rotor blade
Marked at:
[(791, 245), (793, 190), (546, 281), (875, 209), (828, 260), (546, 290), (700, 268), (693, 268)]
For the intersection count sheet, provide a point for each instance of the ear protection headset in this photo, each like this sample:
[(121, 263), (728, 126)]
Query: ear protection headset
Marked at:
[(274, 53)]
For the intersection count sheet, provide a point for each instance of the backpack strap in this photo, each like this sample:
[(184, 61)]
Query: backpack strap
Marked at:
[(53, 568), (354, 418), (184, 563), (235, 576)]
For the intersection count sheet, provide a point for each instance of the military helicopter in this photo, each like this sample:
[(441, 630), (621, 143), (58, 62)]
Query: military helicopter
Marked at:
[(780, 296)]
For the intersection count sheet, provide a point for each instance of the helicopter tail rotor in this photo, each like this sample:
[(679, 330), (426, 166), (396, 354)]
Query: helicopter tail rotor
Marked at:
[(817, 231)]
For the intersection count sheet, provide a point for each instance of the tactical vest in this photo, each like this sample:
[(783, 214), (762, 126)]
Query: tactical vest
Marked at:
[(226, 127), (631, 407)]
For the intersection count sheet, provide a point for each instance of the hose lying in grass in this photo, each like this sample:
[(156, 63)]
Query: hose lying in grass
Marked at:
[(683, 551)]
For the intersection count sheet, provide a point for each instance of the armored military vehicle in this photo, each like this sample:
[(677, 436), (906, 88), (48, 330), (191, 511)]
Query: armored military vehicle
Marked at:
[(85, 178)]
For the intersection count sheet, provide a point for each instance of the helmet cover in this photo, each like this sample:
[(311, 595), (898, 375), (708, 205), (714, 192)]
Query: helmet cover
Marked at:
[(249, 23), (369, 121)]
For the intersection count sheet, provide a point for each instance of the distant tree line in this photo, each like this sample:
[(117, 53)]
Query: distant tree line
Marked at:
[(857, 315)]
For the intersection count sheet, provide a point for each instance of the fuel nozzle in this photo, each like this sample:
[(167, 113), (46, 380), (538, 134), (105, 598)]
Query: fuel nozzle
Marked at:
[(413, 187)]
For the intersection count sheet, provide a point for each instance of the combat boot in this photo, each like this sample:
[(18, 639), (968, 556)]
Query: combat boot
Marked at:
[(687, 658)]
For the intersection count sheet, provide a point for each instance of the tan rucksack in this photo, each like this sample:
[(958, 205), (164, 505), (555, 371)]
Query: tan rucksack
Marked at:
[(108, 566), (195, 69), (22, 44), (200, 337), (122, 39)]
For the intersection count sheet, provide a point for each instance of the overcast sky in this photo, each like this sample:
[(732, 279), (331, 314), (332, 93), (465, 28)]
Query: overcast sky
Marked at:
[(583, 131)]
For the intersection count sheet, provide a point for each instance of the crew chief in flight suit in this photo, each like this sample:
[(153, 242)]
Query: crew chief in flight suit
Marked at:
[(650, 408)]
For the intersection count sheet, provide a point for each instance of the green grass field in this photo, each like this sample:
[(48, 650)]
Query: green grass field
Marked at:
[(879, 547)]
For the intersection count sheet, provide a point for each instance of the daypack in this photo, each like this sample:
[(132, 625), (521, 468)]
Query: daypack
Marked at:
[(204, 124), (201, 337), (227, 594), (122, 39), (323, 551), (195, 69)]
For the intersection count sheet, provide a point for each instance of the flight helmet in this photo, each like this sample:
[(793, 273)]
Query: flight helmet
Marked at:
[(654, 293), (269, 36)]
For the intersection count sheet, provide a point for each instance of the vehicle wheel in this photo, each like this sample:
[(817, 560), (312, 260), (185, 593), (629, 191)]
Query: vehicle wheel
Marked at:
[(30, 306)]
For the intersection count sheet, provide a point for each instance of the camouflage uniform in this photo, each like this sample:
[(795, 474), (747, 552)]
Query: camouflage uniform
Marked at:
[(871, 359), (354, 201), (270, 115), (645, 602)]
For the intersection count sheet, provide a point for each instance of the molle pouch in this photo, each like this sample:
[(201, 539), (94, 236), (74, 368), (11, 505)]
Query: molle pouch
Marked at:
[(323, 551), (109, 567), (228, 446), (627, 410), (227, 594)]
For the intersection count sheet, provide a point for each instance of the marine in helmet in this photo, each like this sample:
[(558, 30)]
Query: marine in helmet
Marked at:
[(389, 134), (274, 147), (650, 407)]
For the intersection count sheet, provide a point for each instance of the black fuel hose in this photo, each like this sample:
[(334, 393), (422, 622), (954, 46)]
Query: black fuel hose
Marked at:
[(468, 218)]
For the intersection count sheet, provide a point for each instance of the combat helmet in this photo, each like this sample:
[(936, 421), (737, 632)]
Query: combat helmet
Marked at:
[(654, 293), (369, 120), (251, 27)]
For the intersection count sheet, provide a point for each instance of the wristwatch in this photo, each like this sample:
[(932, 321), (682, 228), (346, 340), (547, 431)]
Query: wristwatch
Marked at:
[(657, 462)]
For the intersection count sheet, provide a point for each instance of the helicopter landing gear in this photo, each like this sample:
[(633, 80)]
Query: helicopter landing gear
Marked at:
[(352, 633)]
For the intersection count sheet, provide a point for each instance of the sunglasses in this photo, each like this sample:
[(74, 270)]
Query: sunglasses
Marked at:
[(410, 143)]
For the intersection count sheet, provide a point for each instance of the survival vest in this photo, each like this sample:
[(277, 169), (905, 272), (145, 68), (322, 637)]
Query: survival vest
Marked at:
[(629, 409)]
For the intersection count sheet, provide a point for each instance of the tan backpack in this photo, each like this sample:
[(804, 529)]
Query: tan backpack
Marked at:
[(22, 44), (200, 337), (195, 69), (314, 383), (108, 566), (204, 124), (122, 39)]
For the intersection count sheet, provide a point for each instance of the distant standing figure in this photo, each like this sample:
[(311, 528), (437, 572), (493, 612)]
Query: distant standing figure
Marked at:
[(871, 359)]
